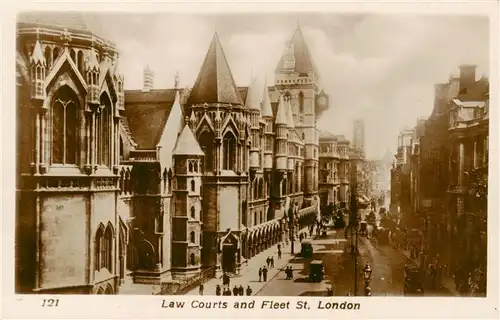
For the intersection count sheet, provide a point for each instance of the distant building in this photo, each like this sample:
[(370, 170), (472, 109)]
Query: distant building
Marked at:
[(358, 140), (148, 77)]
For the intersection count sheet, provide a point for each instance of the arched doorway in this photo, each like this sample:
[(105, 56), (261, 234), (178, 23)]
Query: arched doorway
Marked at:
[(229, 253), (146, 255)]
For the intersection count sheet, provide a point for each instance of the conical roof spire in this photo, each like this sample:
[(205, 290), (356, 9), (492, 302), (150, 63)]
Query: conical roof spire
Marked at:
[(215, 82), (186, 144), (281, 116), (290, 122), (303, 60), (37, 56), (266, 110), (253, 98)]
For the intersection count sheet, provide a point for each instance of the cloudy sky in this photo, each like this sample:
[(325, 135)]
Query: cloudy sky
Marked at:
[(380, 68)]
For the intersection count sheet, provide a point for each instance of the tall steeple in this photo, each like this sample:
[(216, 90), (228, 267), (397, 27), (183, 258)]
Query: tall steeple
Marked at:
[(298, 52), (266, 110), (215, 83), (252, 100)]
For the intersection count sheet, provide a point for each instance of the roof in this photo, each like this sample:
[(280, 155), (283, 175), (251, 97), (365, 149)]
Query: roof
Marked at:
[(71, 20), (325, 135), (303, 60), (186, 144), (266, 109), (147, 114), (281, 117), (215, 83), (37, 56), (341, 138), (289, 115), (252, 100)]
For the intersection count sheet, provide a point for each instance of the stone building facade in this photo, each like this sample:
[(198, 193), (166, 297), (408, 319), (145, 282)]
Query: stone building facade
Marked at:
[(120, 187)]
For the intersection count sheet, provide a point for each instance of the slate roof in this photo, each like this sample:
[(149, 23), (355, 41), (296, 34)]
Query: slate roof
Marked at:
[(303, 60), (147, 114), (325, 135), (187, 145), (215, 82)]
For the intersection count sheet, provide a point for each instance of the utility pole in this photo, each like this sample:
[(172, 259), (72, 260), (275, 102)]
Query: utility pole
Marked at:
[(354, 235)]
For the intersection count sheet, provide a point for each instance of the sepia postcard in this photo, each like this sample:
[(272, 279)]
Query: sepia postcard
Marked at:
[(288, 160)]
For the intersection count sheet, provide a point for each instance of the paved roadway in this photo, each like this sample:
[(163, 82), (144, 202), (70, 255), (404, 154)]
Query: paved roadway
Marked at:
[(387, 264)]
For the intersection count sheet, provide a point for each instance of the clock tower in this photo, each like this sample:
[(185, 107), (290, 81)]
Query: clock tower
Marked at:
[(297, 78)]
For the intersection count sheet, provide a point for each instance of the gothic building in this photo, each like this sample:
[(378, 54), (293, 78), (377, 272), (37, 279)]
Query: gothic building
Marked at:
[(144, 186), (70, 235)]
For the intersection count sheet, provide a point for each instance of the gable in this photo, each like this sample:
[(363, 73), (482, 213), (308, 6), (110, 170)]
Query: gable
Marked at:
[(63, 63)]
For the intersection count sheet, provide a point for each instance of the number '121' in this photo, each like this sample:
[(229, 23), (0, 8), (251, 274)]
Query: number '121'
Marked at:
[(50, 302)]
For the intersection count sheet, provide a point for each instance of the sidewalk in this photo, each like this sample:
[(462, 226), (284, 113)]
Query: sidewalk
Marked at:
[(249, 275), (446, 282)]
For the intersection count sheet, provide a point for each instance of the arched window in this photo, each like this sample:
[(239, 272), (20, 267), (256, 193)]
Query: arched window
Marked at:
[(206, 141), (192, 259), (81, 62), (201, 215), (103, 132), (190, 166), (255, 190), (193, 185), (261, 188), (193, 212), (192, 237), (72, 55), (47, 56), (195, 164), (64, 127), (55, 55), (229, 152), (255, 218), (301, 102), (283, 187), (103, 248)]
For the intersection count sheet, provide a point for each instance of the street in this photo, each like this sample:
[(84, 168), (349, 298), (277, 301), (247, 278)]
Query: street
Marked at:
[(387, 264)]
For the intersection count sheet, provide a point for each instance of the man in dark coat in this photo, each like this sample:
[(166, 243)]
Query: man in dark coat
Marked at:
[(260, 274), (241, 290), (249, 291), (218, 290), (264, 273), (235, 291)]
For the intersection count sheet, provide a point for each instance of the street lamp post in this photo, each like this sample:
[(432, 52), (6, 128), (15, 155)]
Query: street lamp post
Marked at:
[(367, 273)]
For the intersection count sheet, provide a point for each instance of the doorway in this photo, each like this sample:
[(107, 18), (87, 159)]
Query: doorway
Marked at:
[(229, 258)]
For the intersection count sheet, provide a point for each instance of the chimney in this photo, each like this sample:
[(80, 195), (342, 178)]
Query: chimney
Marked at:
[(148, 79), (467, 77)]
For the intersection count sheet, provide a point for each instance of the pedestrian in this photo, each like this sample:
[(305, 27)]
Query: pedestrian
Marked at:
[(241, 290), (218, 290), (249, 291), (279, 254), (279, 246), (301, 237), (272, 262), (235, 291), (264, 273), (287, 272), (260, 274), (201, 289), (268, 261), (291, 273)]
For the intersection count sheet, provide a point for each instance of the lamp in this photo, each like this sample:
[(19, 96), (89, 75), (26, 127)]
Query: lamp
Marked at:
[(367, 272)]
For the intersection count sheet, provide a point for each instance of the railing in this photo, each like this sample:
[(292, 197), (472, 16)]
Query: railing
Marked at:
[(181, 287), (143, 155)]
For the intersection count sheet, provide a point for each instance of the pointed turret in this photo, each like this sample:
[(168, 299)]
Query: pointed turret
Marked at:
[(92, 67), (171, 130), (37, 68), (37, 56), (290, 122), (281, 135), (281, 115), (266, 110), (296, 57), (186, 144), (215, 83), (252, 101), (119, 78)]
